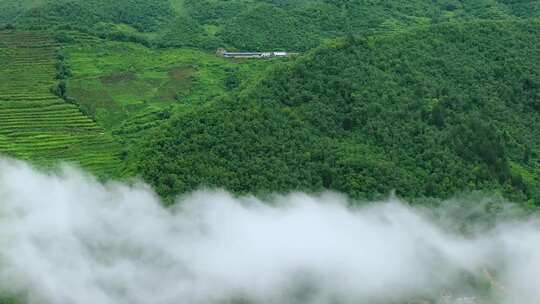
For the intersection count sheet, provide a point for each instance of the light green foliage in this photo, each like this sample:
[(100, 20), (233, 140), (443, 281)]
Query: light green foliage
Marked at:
[(114, 79), (178, 7), (130, 89), (34, 123)]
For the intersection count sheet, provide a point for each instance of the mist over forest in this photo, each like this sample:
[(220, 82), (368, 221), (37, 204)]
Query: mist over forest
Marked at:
[(68, 238)]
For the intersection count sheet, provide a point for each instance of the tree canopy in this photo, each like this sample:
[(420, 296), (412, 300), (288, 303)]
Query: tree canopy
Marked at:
[(429, 112)]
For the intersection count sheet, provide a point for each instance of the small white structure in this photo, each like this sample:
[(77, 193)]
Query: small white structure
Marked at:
[(224, 53), (281, 54), (465, 300), (447, 299)]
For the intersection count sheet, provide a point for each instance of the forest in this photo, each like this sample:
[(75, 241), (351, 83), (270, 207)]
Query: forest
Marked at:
[(428, 99), (430, 112), (250, 25)]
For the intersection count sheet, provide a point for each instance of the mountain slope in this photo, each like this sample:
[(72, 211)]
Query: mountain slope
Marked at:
[(250, 25), (430, 112), (34, 123), (143, 15)]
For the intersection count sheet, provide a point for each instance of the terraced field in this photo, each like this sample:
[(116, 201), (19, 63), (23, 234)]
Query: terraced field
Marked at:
[(37, 125)]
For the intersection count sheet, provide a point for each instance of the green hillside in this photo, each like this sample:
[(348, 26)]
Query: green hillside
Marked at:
[(389, 109), (437, 101), (250, 24), (37, 125), (130, 89), (113, 80), (429, 112), (143, 15)]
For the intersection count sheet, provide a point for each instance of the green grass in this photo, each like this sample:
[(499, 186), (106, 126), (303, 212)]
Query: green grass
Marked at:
[(35, 124), (120, 90), (129, 88)]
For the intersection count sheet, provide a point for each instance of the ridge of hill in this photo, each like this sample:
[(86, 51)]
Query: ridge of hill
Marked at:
[(36, 124), (429, 112), (298, 127), (250, 25)]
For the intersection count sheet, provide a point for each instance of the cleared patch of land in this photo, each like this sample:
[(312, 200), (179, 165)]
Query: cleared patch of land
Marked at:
[(130, 89)]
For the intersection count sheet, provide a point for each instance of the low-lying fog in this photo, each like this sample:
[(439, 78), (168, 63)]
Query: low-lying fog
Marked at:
[(66, 238)]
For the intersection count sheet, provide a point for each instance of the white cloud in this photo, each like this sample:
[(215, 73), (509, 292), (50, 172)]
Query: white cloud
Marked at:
[(65, 238)]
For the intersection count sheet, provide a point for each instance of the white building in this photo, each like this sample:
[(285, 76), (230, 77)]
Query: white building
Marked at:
[(224, 53), (281, 54)]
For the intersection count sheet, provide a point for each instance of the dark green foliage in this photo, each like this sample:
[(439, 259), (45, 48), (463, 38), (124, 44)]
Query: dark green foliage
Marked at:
[(143, 15), (59, 89), (301, 25), (63, 71), (420, 103), (267, 27), (186, 32), (222, 142), (431, 112), (4, 300), (62, 74), (480, 142), (63, 37), (214, 12), (232, 81), (249, 25)]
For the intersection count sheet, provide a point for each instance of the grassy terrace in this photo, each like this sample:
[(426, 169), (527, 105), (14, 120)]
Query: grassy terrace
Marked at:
[(118, 81), (130, 89), (35, 124)]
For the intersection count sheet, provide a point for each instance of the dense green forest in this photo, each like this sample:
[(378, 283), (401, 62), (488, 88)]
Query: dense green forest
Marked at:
[(428, 112), (428, 98), (250, 24)]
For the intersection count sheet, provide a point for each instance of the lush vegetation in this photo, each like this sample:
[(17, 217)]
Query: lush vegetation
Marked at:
[(111, 80), (35, 122), (143, 15), (428, 98), (130, 89), (430, 112), (423, 96), (250, 25)]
